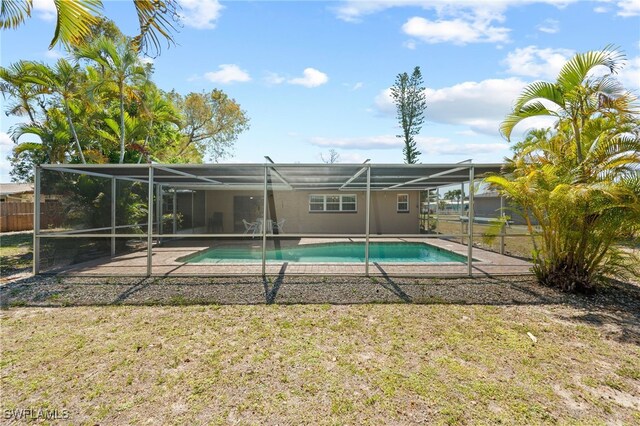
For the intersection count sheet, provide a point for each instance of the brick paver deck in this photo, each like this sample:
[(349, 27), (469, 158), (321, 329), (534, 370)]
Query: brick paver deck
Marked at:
[(166, 263)]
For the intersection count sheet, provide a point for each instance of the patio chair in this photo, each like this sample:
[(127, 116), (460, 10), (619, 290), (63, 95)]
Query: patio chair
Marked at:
[(279, 226), (250, 227)]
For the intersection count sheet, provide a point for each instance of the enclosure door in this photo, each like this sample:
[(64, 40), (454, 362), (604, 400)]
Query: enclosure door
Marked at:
[(248, 208)]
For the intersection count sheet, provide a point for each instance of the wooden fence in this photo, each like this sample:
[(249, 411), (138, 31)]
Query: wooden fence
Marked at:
[(15, 216)]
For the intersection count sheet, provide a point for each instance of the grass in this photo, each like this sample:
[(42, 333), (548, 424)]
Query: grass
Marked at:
[(15, 252), (318, 364)]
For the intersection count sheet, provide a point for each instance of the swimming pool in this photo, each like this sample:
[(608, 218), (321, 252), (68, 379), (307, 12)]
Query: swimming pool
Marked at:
[(351, 252)]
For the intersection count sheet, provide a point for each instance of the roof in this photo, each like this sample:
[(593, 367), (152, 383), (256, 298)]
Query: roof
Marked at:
[(289, 176), (15, 188), (488, 194)]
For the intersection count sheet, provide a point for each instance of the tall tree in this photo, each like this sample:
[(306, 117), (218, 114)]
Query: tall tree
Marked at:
[(75, 20), (106, 108), (121, 66), (61, 80), (20, 93), (574, 97), (332, 157), (579, 182), (211, 123), (454, 194), (411, 102)]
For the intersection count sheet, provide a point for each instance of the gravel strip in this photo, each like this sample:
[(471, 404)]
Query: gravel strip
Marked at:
[(504, 290), (615, 307)]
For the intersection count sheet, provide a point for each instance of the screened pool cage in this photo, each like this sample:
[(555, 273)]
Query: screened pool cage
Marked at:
[(252, 219)]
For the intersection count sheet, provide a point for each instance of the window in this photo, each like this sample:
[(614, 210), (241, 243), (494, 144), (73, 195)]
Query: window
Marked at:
[(332, 203), (403, 202)]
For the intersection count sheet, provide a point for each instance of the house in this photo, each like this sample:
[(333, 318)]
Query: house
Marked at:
[(311, 211), (16, 192), (488, 205), (16, 207)]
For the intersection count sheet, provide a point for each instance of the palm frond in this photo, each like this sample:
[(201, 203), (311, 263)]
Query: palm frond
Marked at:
[(540, 90), (14, 12), (532, 109), (576, 70), (156, 18), (28, 147), (74, 20)]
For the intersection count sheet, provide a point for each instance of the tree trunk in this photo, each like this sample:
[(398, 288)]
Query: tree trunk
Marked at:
[(121, 123), (73, 130)]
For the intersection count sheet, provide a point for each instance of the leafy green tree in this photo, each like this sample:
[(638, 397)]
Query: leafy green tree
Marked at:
[(411, 102), (62, 81), (20, 93), (160, 116), (575, 97), (579, 182), (75, 20), (106, 108), (454, 194), (211, 123), (121, 66)]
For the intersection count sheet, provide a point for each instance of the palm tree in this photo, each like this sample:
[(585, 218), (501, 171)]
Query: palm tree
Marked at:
[(121, 65), (20, 92), (55, 136), (74, 20), (454, 194), (156, 109), (579, 181), (575, 96), (61, 80)]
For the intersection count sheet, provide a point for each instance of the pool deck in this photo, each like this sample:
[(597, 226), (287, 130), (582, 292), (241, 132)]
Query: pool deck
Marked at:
[(165, 263)]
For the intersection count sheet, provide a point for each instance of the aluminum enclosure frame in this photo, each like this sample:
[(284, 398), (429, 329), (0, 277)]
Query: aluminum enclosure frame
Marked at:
[(338, 177)]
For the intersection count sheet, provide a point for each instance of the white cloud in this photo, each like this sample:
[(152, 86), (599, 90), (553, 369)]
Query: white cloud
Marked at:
[(354, 10), (54, 54), (629, 76), (429, 146), (274, 78), (457, 31), (549, 26), (359, 85), (6, 146), (311, 77), (145, 60), (465, 148), (352, 157), (460, 22), (477, 106), (410, 44), (46, 9), (200, 14), (228, 73), (365, 142), (535, 62), (538, 63), (628, 8), (624, 8)]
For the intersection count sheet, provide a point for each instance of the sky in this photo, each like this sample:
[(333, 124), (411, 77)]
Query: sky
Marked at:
[(315, 75)]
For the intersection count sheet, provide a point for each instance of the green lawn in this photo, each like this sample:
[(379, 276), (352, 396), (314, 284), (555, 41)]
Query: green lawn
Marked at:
[(320, 364), (15, 252)]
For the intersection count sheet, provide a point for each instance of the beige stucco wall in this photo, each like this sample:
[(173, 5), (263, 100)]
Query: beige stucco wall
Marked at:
[(293, 206)]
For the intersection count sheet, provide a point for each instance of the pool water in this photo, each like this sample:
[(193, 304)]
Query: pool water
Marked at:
[(330, 253)]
